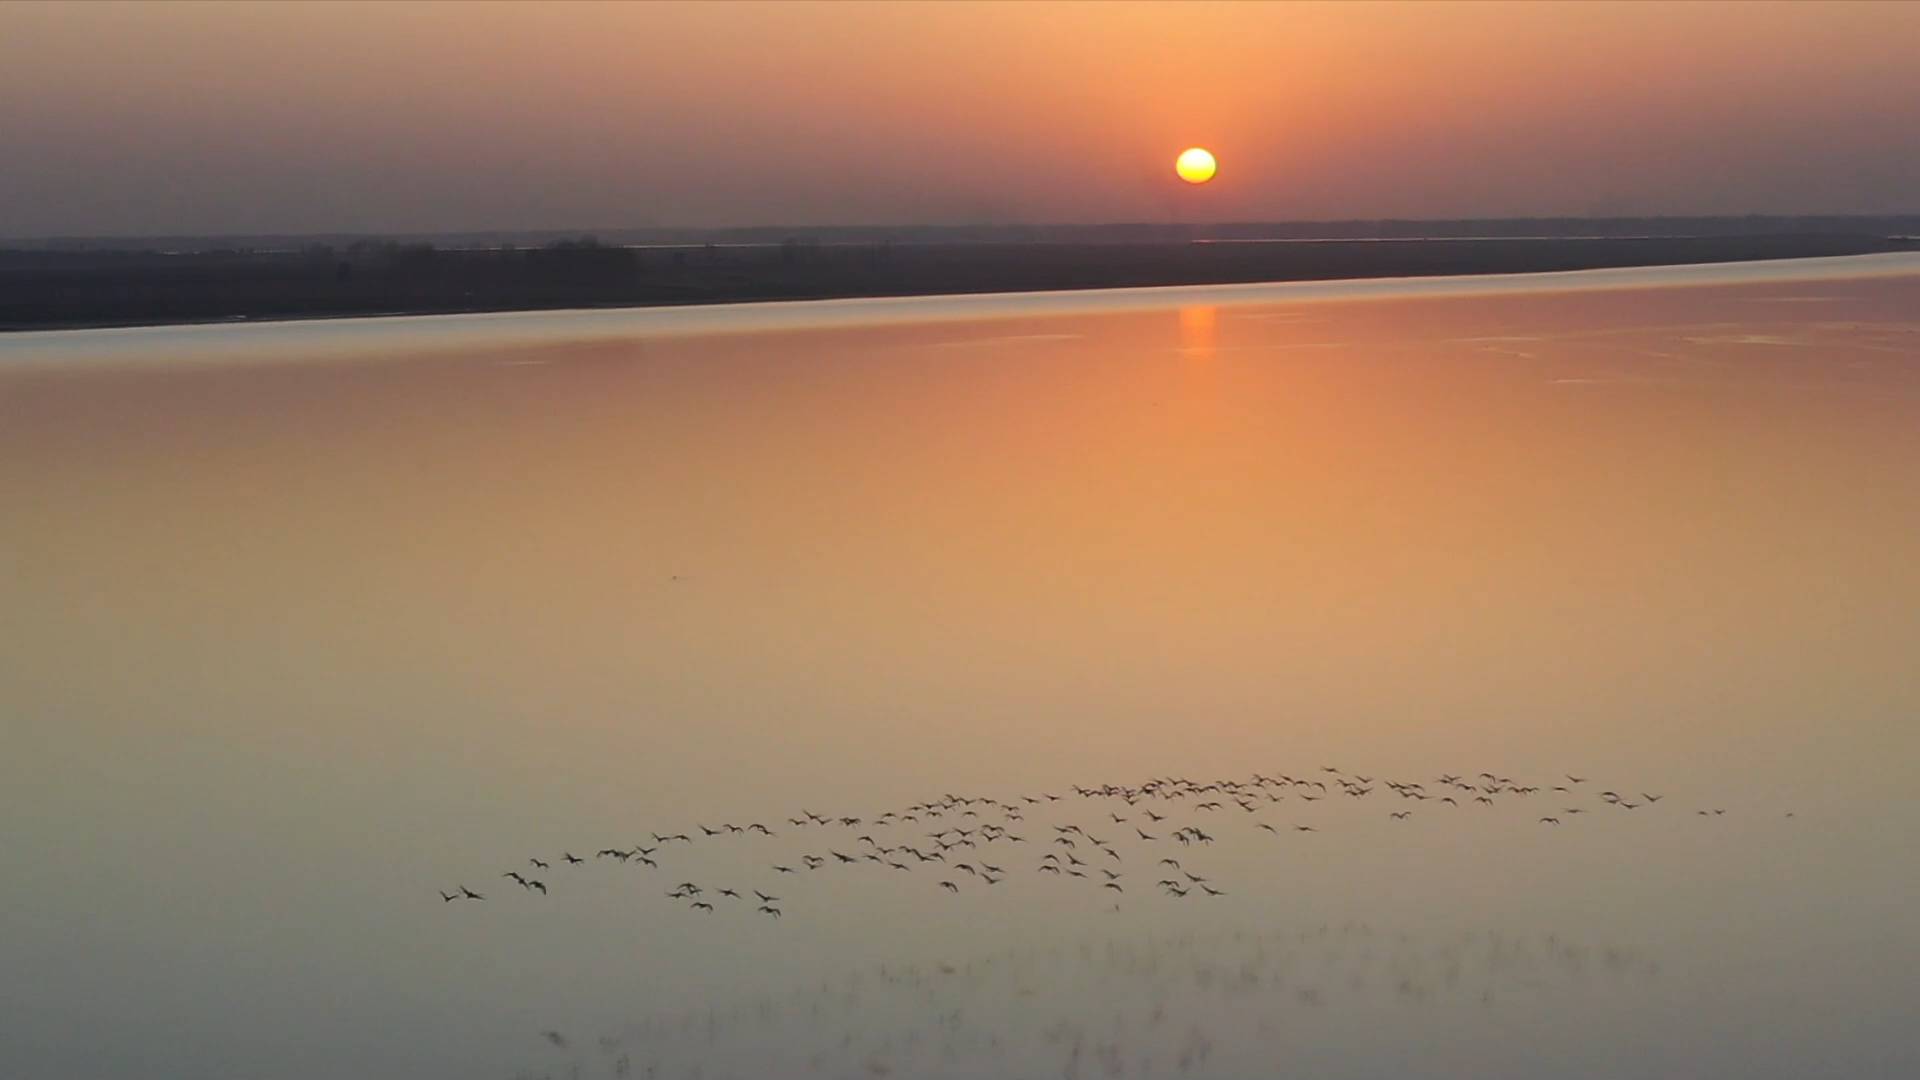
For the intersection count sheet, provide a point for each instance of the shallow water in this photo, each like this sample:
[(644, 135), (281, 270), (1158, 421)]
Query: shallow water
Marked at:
[(296, 640)]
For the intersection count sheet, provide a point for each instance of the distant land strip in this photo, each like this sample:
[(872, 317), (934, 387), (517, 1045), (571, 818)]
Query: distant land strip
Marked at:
[(88, 284)]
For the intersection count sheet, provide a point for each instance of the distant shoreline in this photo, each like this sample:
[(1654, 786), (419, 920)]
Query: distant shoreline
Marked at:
[(50, 290)]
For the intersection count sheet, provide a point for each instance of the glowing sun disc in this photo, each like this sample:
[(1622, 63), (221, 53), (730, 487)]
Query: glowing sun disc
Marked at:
[(1195, 165)]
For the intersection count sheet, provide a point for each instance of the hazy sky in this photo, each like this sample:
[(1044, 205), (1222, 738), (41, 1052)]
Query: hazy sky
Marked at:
[(160, 118)]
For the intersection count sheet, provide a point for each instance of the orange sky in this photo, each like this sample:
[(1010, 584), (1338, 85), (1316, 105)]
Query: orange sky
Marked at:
[(151, 118)]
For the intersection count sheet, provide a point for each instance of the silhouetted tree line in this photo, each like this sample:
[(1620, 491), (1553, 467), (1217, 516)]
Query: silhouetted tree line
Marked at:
[(45, 287), (584, 258), (576, 259)]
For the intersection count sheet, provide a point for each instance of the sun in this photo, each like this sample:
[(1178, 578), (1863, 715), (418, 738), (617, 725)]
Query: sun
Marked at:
[(1195, 165)]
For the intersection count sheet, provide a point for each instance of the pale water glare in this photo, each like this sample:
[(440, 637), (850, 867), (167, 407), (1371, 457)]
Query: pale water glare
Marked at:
[(297, 640)]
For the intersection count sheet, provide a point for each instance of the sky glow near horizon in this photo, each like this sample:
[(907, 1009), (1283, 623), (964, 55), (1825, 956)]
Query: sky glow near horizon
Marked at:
[(203, 118)]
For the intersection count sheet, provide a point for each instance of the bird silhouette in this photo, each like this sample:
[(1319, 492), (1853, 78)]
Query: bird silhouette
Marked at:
[(963, 833)]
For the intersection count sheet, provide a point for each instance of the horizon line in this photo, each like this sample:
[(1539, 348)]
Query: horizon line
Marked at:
[(346, 337), (583, 231)]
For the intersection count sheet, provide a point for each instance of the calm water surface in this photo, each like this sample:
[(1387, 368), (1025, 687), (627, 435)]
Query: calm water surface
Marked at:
[(305, 623)]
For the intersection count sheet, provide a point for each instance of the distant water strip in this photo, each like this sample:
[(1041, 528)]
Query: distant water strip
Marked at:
[(384, 336)]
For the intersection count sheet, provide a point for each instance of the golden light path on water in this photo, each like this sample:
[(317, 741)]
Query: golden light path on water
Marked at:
[(308, 622)]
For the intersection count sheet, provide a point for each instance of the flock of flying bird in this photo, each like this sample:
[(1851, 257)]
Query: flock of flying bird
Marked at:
[(971, 841)]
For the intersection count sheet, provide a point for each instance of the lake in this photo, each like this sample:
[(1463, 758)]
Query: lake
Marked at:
[(309, 625)]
